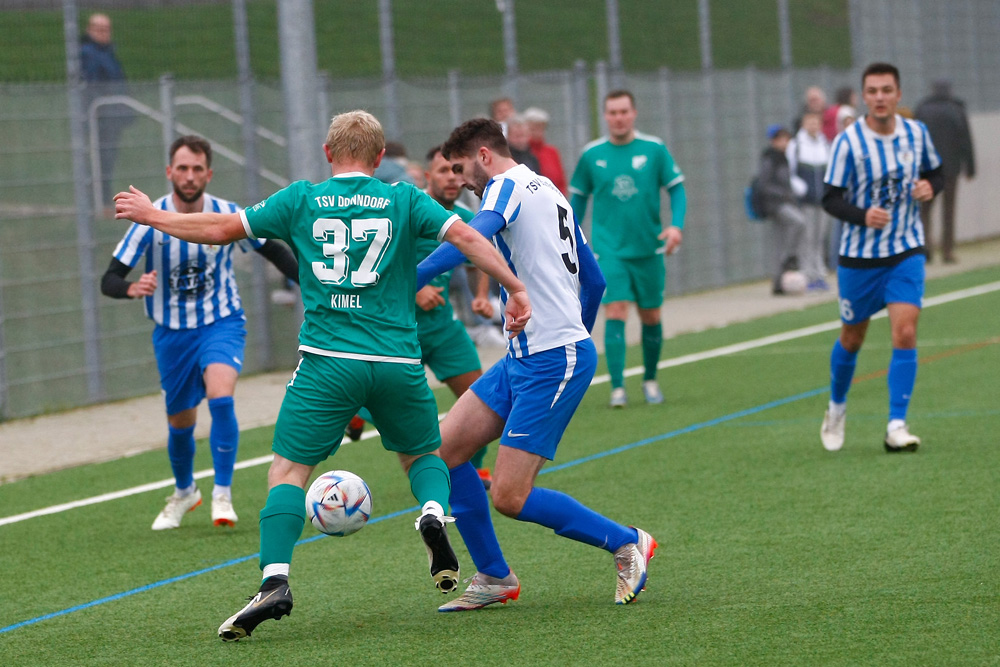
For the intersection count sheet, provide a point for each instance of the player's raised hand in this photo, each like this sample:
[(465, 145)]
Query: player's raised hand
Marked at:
[(673, 236), (483, 305), (877, 217), (132, 204), (429, 297), (145, 286), (517, 313), (922, 190)]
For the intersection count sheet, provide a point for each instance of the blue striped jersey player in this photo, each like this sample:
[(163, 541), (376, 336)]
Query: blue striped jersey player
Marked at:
[(883, 166), (190, 293), (527, 398)]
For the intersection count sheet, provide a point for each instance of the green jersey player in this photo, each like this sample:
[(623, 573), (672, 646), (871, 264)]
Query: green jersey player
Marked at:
[(624, 172), (355, 238)]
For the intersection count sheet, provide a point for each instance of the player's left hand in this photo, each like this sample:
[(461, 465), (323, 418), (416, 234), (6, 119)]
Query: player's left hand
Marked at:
[(922, 190), (429, 297), (517, 313), (673, 236), (132, 204)]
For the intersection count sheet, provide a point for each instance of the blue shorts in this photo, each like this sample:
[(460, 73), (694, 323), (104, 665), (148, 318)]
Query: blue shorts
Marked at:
[(864, 292), (538, 394), (183, 354)]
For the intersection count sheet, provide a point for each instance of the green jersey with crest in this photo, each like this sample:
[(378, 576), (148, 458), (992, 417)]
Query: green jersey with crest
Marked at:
[(356, 239), (625, 182)]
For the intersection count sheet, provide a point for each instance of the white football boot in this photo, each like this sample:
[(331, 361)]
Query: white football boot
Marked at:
[(223, 513), (832, 432), (176, 508)]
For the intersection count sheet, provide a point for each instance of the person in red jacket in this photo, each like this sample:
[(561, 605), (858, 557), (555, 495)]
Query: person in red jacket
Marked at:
[(549, 161)]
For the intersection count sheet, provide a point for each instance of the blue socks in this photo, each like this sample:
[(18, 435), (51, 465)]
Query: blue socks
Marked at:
[(842, 365), (902, 377), (570, 518), (471, 509), (180, 449), (224, 438)]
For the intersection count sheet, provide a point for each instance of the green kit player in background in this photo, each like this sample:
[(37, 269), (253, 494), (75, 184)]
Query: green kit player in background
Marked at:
[(356, 242), (624, 172)]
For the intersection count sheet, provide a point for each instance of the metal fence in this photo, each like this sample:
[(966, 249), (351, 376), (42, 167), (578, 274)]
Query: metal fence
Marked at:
[(63, 345)]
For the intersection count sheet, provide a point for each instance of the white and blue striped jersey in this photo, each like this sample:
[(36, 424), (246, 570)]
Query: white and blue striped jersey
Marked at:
[(195, 284), (539, 245), (880, 170)]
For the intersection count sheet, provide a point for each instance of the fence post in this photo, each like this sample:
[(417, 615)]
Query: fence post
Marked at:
[(601, 84), (663, 78), (251, 186), (614, 43), (167, 109), (84, 205), (297, 45), (581, 104), (509, 47), (389, 80), (4, 409), (454, 98), (572, 149)]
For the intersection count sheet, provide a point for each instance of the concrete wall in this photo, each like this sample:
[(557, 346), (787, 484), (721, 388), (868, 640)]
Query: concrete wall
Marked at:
[(978, 215)]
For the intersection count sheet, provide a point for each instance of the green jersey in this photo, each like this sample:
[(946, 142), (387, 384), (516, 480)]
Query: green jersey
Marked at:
[(625, 182), (356, 241), (441, 316)]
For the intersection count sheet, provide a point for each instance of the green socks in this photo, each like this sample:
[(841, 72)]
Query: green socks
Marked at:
[(652, 343), (430, 481), (614, 351), (281, 523)]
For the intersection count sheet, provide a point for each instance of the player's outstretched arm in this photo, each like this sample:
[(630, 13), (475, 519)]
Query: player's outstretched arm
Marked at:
[(210, 228)]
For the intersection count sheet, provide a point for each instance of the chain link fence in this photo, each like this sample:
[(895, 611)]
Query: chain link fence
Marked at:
[(63, 345)]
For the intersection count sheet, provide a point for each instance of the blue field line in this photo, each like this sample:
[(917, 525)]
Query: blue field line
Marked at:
[(548, 469)]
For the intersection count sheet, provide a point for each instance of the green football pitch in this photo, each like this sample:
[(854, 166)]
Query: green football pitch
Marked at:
[(772, 550)]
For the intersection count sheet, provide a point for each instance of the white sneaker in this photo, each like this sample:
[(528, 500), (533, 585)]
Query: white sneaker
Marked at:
[(901, 440), (832, 432), (485, 590), (222, 511), (176, 508), (652, 392), (631, 561), (618, 397), (487, 335)]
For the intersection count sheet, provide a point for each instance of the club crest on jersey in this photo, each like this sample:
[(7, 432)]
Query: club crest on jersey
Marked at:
[(601, 163), (624, 188), (190, 279), (639, 161), (905, 157)]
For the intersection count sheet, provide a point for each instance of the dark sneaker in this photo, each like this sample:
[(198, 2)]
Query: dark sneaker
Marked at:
[(354, 428), (273, 600), (443, 561)]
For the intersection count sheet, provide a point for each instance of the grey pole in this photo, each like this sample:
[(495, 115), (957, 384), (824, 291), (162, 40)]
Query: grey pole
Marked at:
[(581, 105), (297, 42), (716, 224), (601, 86), (4, 409), (251, 186), (454, 98), (663, 79), (705, 34), (614, 44), (389, 81), (167, 109), (84, 205), (785, 32), (509, 47)]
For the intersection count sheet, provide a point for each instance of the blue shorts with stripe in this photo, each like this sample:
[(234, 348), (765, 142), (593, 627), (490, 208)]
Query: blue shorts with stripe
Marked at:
[(183, 354), (537, 395), (864, 292)]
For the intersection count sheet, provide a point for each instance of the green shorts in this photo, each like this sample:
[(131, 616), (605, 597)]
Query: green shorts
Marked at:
[(641, 280), (325, 392), (445, 346)]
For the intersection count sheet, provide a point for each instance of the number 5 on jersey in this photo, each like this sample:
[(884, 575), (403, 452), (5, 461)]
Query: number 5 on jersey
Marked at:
[(336, 236)]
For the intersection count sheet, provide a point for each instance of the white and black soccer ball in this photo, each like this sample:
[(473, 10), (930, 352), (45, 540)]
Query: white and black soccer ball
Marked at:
[(338, 503), (794, 282)]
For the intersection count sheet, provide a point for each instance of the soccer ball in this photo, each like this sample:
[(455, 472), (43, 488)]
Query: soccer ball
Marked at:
[(338, 503), (794, 282)]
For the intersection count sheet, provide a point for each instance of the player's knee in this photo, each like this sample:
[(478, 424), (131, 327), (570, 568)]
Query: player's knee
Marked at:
[(905, 337), (506, 500)]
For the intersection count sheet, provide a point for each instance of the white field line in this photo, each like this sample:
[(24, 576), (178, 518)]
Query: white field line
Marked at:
[(599, 379)]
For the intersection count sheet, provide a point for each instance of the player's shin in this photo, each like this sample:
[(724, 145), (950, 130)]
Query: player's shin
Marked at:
[(180, 449), (614, 350), (281, 523), (902, 378), (842, 365), (652, 343), (570, 518), (429, 481), (224, 438), (471, 508)]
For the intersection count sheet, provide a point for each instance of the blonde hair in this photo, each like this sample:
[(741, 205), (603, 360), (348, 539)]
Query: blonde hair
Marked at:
[(355, 135)]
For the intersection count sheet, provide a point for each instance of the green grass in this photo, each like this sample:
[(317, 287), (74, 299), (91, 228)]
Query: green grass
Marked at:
[(773, 551), (196, 42)]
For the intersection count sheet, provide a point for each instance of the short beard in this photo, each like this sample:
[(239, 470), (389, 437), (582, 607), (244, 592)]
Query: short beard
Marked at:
[(188, 199)]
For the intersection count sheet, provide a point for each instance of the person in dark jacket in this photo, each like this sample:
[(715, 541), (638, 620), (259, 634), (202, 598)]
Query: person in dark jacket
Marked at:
[(104, 76), (781, 204), (945, 118)]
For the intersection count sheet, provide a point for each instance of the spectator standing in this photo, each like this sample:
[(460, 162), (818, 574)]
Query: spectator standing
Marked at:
[(844, 97), (501, 110), (815, 102), (104, 76), (781, 204), (548, 156), (946, 120), (393, 168), (807, 153), (519, 141)]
